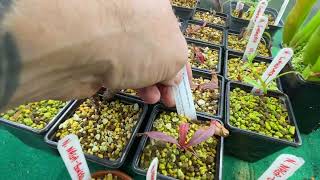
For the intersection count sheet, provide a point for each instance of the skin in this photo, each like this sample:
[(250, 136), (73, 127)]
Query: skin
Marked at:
[(69, 49)]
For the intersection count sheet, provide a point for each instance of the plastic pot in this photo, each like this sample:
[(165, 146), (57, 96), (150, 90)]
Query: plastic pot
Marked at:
[(30, 136), (219, 49), (218, 14), (252, 146), (264, 38), (156, 111), (237, 24), (234, 54), (101, 174), (183, 12), (220, 110), (51, 140), (222, 43), (304, 96)]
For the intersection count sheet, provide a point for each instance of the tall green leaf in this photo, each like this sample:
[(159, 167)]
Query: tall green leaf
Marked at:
[(312, 50)]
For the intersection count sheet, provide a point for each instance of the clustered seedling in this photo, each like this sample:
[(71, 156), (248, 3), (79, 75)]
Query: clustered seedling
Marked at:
[(187, 152), (35, 115), (209, 17), (248, 15), (262, 114), (203, 57), (107, 177), (103, 128), (239, 43), (184, 3), (204, 33), (206, 94)]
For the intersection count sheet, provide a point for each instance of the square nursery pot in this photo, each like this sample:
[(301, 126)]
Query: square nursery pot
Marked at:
[(220, 29), (31, 136), (234, 54), (220, 110), (237, 24), (155, 113), (51, 140), (217, 14), (263, 39), (304, 96), (213, 47), (252, 146), (184, 12)]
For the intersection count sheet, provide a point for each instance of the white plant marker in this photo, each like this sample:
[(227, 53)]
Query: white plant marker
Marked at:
[(72, 155), (280, 14), (239, 6), (261, 7), (183, 97), (277, 64), (282, 168), (255, 36), (153, 170)]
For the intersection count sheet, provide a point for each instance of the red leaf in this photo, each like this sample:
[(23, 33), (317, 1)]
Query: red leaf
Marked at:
[(183, 132), (201, 135), (199, 56), (156, 135), (213, 84)]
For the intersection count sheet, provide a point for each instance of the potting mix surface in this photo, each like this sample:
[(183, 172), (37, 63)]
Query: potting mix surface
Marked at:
[(21, 161)]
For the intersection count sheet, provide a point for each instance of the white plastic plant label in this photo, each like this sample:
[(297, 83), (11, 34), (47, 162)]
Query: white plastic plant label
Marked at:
[(183, 97), (282, 168), (261, 7), (280, 14), (255, 36), (239, 6), (277, 64), (152, 170), (73, 157)]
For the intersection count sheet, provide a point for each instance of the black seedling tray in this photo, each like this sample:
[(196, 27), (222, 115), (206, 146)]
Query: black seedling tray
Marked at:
[(220, 110), (156, 111), (31, 136), (237, 24), (265, 38), (252, 146), (201, 44), (183, 12), (218, 14), (233, 54), (222, 44), (304, 96), (52, 141)]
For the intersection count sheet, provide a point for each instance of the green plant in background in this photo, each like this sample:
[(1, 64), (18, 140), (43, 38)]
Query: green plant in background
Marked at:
[(304, 39)]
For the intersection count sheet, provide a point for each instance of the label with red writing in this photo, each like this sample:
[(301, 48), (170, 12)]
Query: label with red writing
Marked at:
[(255, 36), (152, 170), (261, 7), (282, 168), (282, 58), (72, 155)]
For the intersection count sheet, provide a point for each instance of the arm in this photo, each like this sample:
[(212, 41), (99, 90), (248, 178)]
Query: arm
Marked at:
[(69, 49)]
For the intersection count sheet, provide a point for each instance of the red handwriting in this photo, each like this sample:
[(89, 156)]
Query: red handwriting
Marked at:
[(65, 143), (282, 169), (292, 161), (153, 173), (79, 171), (276, 66), (72, 154)]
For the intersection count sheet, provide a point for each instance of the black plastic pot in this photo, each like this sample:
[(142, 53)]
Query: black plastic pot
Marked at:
[(52, 141), (30, 136), (218, 14), (237, 24), (200, 44), (234, 54), (156, 111), (251, 146), (304, 96), (208, 25), (220, 110), (264, 38), (183, 12)]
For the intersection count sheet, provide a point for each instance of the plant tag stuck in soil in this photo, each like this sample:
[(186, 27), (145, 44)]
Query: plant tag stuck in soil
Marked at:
[(261, 7), (183, 97), (282, 168), (153, 170), (255, 36), (280, 14), (239, 6), (277, 64), (72, 155)]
